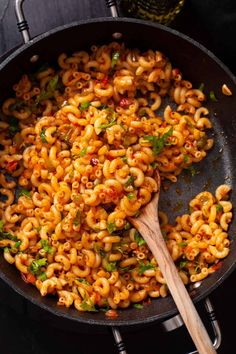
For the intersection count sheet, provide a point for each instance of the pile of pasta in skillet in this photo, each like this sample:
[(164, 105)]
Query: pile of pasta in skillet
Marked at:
[(80, 142)]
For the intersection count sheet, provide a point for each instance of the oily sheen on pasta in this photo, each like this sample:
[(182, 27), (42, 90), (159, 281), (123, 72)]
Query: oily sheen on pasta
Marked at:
[(80, 143)]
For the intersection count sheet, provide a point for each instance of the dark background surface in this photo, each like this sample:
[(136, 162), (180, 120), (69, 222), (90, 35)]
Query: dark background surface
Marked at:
[(24, 329)]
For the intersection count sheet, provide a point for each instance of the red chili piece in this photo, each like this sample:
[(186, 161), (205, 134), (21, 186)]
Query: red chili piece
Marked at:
[(124, 102), (11, 166), (94, 161), (105, 81)]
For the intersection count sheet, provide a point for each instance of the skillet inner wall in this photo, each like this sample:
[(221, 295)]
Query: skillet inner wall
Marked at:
[(197, 66)]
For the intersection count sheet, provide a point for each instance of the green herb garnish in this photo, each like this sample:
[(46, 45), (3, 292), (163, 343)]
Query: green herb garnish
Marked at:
[(111, 118), (219, 208), (191, 170), (201, 87), (144, 266), (125, 269), (127, 226), (42, 136), (154, 165), (111, 227), (6, 235), (183, 264), (186, 158), (49, 92), (88, 305), (17, 244), (1, 225), (36, 265), (45, 245), (110, 266), (83, 281), (212, 96), (182, 244), (110, 124), (42, 276), (17, 105), (138, 306), (14, 126), (83, 152), (77, 220), (114, 59), (130, 181), (158, 143), (138, 238), (24, 192), (130, 196), (84, 106)]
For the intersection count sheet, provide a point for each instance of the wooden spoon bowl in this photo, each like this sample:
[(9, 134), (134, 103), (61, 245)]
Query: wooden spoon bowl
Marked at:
[(147, 224)]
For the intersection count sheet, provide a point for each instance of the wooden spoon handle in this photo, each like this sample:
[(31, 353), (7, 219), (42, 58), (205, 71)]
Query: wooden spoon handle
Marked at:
[(150, 230)]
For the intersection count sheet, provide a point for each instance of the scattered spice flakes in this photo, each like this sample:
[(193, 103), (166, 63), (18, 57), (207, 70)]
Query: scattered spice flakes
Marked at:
[(226, 91)]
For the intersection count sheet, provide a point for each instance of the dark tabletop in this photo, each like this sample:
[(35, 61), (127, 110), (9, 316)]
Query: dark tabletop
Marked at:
[(23, 328)]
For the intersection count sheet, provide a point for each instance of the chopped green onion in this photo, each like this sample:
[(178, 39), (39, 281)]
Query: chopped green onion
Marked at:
[(42, 276), (88, 305), (130, 196), (36, 265), (6, 235), (45, 245)]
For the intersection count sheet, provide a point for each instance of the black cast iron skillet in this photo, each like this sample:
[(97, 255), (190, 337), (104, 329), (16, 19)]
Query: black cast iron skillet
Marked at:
[(197, 65)]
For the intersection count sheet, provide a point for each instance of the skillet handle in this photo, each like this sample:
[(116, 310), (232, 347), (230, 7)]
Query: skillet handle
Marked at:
[(118, 340), (112, 5), (215, 324), (21, 21), (23, 25)]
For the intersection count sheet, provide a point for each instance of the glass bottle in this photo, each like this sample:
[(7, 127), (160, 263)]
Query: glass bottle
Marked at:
[(162, 11)]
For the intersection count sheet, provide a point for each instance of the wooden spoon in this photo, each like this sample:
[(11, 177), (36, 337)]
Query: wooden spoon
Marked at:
[(148, 225)]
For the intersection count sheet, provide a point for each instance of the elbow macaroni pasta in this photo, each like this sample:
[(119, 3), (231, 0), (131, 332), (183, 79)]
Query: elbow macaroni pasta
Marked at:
[(82, 143)]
